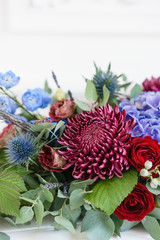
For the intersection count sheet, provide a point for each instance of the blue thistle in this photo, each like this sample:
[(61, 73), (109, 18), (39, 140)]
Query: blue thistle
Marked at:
[(20, 149), (105, 78)]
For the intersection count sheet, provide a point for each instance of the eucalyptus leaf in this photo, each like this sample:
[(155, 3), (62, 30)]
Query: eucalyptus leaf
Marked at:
[(155, 213), (26, 215), (71, 214), (48, 195), (128, 225), (118, 223), (77, 198), (90, 91), (4, 236), (39, 212), (108, 194), (61, 194), (152, 227), (155, 191), (135, 90), (65, 223), (97, 225), (82, 105), (77, 184), (53, 213), (106, 95)]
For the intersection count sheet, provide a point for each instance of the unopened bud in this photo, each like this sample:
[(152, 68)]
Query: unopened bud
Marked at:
[(144, 173), (148, 164), (59, 95), (154, 183)]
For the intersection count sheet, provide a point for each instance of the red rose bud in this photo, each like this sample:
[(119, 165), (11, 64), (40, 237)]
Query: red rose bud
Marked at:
[(50, 159), (143, 150), (62, 110), (7, 133), (136, 205), (151, 85)]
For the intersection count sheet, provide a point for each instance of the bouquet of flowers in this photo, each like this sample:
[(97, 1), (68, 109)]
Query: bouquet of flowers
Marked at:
[(97, 162)]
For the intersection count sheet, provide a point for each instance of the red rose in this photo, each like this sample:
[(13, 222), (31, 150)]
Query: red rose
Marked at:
[(136, 205), (8, 132), (62, 109), (142, 150), (50, 159)]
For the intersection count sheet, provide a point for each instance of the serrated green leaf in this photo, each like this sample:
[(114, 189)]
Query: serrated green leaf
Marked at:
[(83, 106), (108, 194), (39, 212), (4, 236), (11, 184), (135, 90), (77, 198), (106, 95), (26, 215), (155, 191), (97, 225), (90, 91), (152, 227), (47, 88), (65, 223)]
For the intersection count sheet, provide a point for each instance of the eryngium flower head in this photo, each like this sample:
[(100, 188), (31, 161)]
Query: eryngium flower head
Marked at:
[(96, 143), (20, 149)]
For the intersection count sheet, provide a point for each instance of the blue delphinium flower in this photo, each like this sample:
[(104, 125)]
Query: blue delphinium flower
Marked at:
[(8, 79), (20, 149), (36, 98), (145, 108), (7, 105)]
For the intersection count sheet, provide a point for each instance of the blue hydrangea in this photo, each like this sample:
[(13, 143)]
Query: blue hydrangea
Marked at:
[(7, 105), (145, 108), (8, 79), (36, 98), (20, 149)]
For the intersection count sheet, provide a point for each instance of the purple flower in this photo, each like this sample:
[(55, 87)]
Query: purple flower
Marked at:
[(9, 79)]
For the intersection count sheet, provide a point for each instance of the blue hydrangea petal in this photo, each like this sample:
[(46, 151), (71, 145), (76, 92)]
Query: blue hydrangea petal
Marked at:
[(9, 79)]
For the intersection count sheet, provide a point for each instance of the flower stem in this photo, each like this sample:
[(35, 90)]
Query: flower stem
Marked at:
[(17, 102)]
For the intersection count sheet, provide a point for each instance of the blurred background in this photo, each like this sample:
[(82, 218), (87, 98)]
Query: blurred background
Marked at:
[(67, 36)]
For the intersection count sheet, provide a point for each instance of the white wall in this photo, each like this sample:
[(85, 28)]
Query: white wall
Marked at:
[(68, 35)]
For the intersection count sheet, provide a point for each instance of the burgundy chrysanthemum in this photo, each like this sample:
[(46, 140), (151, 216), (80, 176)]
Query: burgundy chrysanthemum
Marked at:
[(97, 142)]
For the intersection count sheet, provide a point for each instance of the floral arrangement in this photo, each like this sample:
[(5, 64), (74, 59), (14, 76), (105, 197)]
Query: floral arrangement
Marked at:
[(97, 162)]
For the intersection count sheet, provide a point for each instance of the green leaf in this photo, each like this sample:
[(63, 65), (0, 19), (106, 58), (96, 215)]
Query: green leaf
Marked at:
[(59, 125), (71, 214), (2, 156), (155, 191), (77, 198), (152, 227), (61, 194), (53, 213), (77, 184), (108, 194), (11, 184), (135, 90), (82, 105), (47, 88), (39, 212), (155, 213), (4, 236), (48, 195), (31, 181), (118, 223), (106, 95), (90, 91), (97, 225), (128, 225), (65, 223), (26, 215), (39, 127)]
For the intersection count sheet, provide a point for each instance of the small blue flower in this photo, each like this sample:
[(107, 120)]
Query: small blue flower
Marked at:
[(9, 79), (20, 149), (7, 105), (36, 98)]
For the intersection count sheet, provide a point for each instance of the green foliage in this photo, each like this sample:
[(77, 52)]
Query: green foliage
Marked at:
[(26, 215), (118, 223), (155, 213), (106, 95), (11, 184), (135, 90), (4, 236), (97, 225), (77, 184), (47, 88), (77, 198), (64, 222), (108, 194), (128, 225), (152, 227), (90, 91), (2, 156), (39, 212), (82, 105), (71, 214), (155, 191)]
